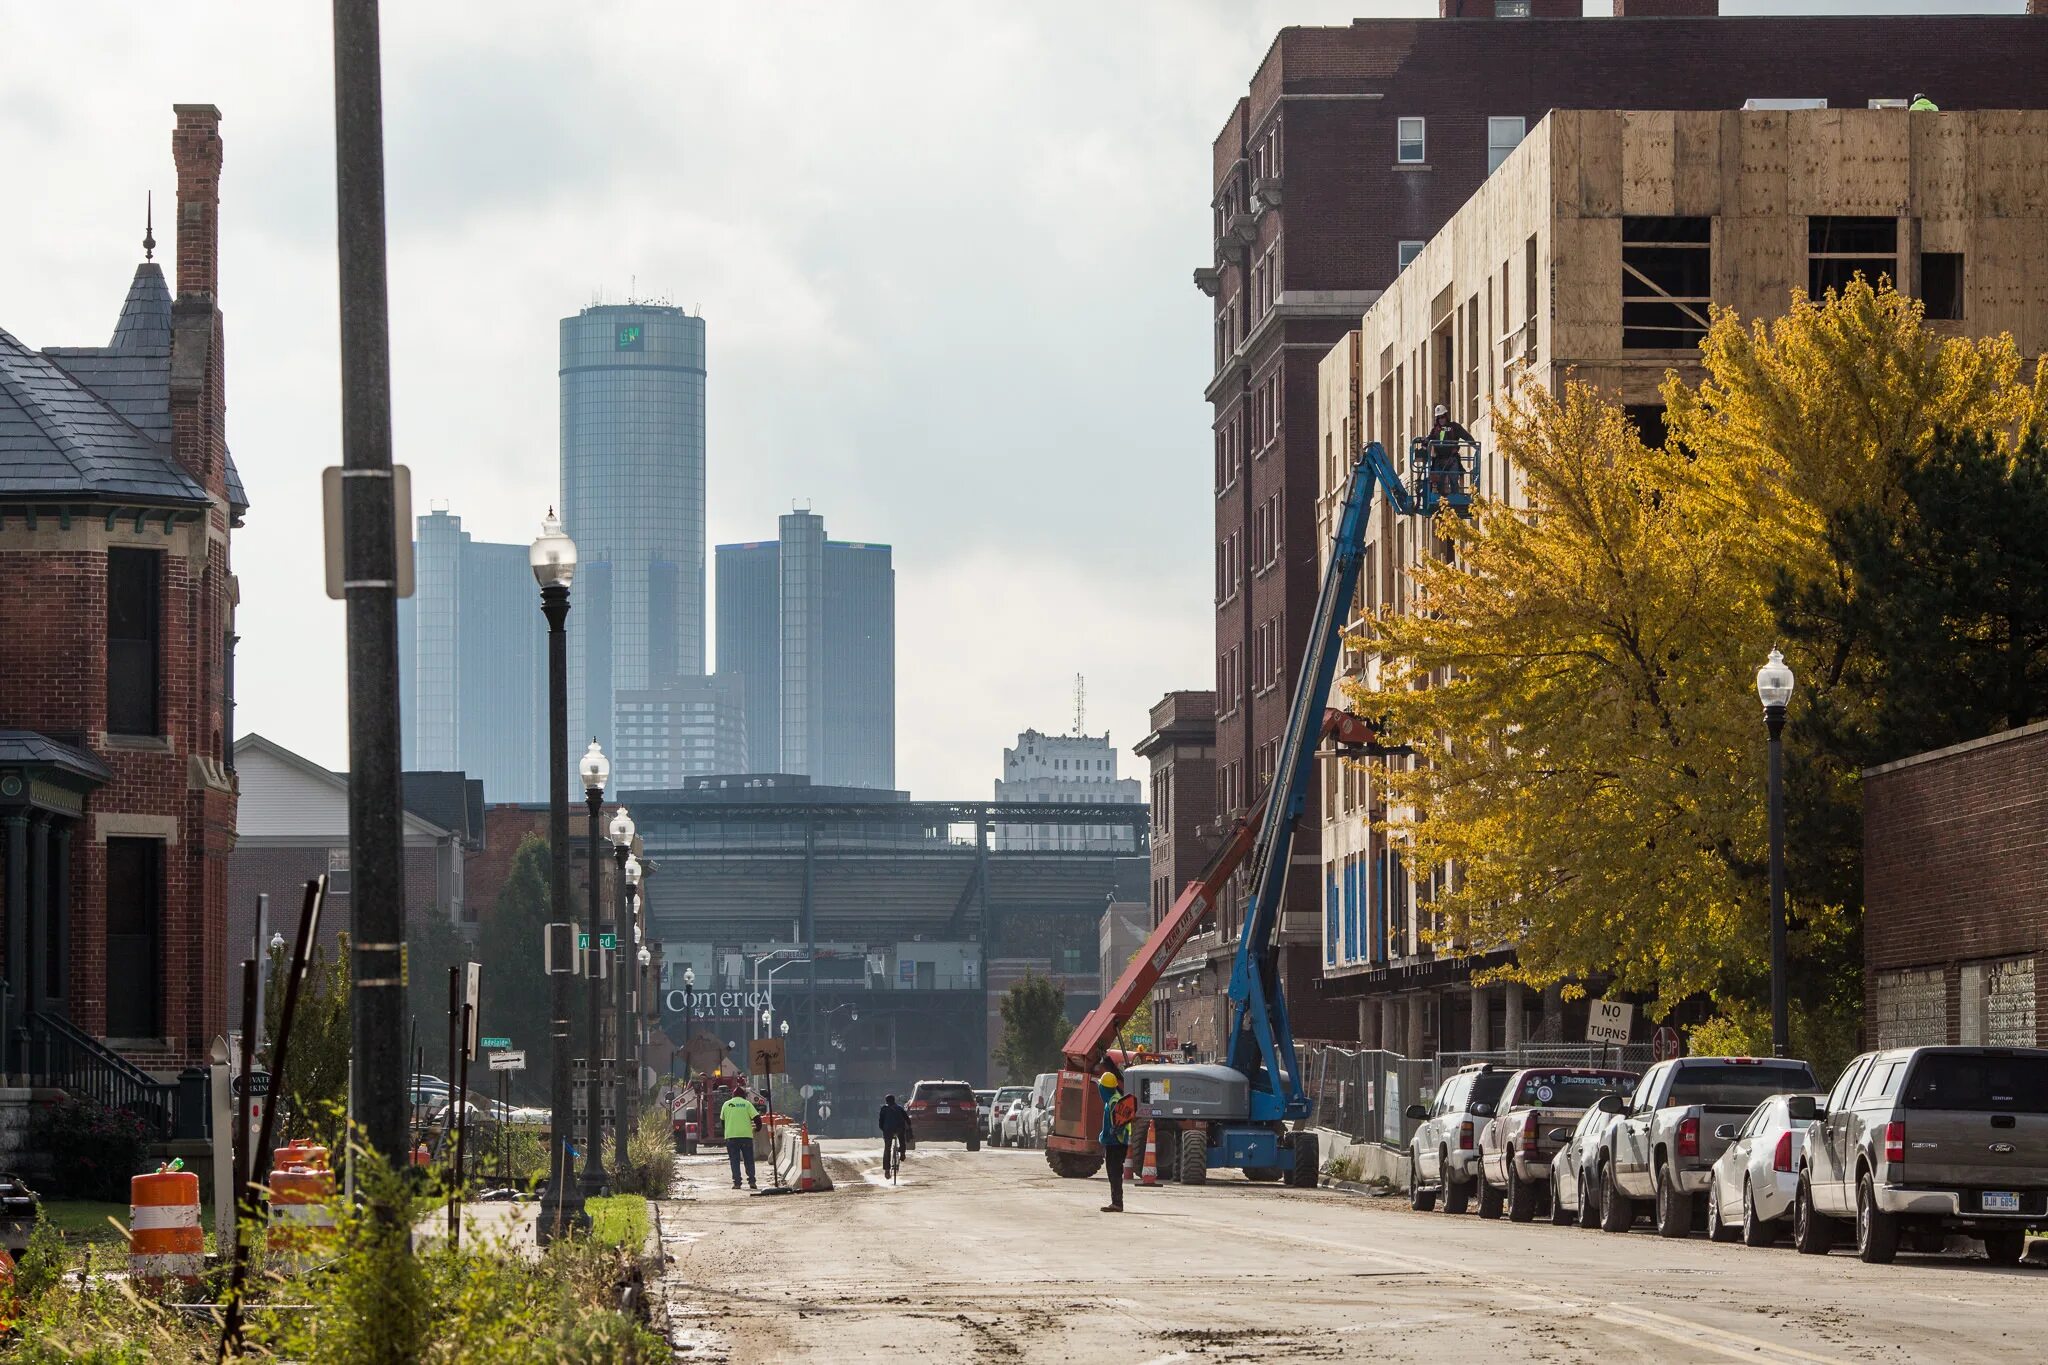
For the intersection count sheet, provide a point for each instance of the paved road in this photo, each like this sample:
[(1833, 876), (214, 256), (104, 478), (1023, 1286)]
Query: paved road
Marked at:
[(988, 1256)]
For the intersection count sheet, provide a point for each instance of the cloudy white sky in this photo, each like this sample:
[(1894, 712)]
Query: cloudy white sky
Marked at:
[(943, 251)]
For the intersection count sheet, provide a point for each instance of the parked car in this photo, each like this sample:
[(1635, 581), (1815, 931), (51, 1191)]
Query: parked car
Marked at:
[(999, 1106), (1045, 1089), (943, 1111), (1574, 1191), (1751, 1188), (984, 1108), (1524, 1129), (1661, 1152), (1443, 1157), (1016, 1121), (1920, 1142)]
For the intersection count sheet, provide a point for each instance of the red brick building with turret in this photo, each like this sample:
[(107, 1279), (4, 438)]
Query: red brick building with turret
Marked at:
[(117, 793)]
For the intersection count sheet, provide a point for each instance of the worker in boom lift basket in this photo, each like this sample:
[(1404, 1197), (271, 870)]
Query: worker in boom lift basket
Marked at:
[(1447, 440)]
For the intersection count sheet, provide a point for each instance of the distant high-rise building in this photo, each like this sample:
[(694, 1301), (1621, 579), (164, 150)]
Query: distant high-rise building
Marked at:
[(471, 662), (1064, 770), (807, 626), (689, 728), (633, 499)]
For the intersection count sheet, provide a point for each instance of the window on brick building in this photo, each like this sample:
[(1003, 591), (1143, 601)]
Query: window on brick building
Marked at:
[(134, 646), (1667, 281), (1839, 249), (337, 872), (1503, 135), (1510, 9), (135, 916), (1409, 142)]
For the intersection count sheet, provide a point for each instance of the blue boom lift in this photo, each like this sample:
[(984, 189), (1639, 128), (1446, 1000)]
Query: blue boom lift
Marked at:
[(1237, 1114)]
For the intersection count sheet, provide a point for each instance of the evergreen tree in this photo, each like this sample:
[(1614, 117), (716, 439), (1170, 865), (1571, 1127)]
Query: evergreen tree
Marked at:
[(511, 947)]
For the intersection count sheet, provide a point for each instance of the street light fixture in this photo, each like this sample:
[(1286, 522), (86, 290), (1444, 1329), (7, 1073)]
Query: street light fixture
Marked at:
[(622, 830), (1774, 684), (596, 771), (553, 560)]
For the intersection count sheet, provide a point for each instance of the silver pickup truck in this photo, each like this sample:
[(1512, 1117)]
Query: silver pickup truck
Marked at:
[(1663, 1149)]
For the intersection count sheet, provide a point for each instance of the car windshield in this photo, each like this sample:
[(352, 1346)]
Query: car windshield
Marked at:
[(1571, 1089), (1742, 1086), (1978, 1083)]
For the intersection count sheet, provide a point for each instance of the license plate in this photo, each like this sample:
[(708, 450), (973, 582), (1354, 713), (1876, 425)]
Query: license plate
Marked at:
[(945, 1109), (2000, 1201)]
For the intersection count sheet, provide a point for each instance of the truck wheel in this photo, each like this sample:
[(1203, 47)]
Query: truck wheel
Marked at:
[(1521, 1198), (1617, 1210), (1674, 1208), (2005, 1247), (1308, 1162), (1073, 1165), (1490, 1197), (1194, 1156), (1877, 1232), (1456, 1197), (1812, 1233), (1419, 1199)]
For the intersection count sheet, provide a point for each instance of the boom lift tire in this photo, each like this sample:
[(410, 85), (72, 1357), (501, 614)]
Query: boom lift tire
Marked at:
[(1194, 1156), (1308, 1162), (1073, 1165), (1263, 1175)]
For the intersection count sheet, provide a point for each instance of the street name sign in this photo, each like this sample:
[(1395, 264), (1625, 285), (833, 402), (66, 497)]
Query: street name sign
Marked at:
[(608, 942), (495, 1043), (1609, 1021)]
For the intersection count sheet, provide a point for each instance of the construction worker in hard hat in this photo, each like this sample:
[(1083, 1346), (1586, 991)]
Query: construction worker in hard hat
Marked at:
[(1922, 104), (1116, 1135), (1447, 440)]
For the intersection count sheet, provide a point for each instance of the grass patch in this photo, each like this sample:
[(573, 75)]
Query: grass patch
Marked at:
[(85, 1220), (618, 1220)]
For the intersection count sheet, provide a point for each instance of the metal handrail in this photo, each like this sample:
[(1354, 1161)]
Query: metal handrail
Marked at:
[(64, 1056)]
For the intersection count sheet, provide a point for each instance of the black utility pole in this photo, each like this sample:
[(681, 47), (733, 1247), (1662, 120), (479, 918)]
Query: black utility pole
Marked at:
[(553, 558), (370, 584), (594, 1177)]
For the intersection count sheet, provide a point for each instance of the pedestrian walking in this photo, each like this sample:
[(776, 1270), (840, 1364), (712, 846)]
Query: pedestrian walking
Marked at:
[(737, 1120), (894, 1122), (1118, 1112)]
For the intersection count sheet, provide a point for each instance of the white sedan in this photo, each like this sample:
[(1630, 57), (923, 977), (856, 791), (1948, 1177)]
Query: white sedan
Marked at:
[(1751, 1188), (1016, 1124)]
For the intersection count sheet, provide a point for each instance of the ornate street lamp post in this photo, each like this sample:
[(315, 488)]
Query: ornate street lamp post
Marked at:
[(596, 772), (622, 1002), (553, 559), (1774, 690)]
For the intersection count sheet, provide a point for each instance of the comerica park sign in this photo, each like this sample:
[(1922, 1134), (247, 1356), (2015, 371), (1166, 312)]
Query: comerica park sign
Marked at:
[(714, 1004)]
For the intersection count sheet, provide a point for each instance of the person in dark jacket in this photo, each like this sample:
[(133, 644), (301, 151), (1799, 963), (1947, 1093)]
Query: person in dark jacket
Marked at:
[(1116, 1139), (1446, 453), (894, 1122)]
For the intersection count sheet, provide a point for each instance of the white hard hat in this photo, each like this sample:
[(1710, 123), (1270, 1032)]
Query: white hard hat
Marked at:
[(1442, 411)]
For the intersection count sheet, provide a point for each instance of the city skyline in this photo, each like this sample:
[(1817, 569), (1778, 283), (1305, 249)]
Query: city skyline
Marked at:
[(850, 372)]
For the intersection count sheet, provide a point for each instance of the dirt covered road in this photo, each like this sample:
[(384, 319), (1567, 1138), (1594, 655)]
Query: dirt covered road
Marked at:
[(988, 1256)]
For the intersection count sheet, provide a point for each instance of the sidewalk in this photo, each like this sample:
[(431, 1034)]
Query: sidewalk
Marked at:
[(503, 1223)]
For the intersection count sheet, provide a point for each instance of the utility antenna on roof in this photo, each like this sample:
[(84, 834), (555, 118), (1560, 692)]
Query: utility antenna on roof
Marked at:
[(1080, 705), (148, 226)]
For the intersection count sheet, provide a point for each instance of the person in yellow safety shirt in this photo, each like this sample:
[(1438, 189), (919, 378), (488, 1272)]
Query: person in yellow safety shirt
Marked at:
[(737, 1118), (1920, 103)]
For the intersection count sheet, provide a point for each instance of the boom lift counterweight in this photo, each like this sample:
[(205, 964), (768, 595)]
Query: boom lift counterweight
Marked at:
[(1238, 1114)]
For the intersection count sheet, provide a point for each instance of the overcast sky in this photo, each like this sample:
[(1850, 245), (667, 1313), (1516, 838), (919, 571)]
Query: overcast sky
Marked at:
[(942, 250)]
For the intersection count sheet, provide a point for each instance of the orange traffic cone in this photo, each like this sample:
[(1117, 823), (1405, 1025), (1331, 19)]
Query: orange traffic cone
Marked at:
[(1151, 1175)]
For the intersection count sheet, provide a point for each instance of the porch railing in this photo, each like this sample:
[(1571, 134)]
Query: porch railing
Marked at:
[(66, 1057)]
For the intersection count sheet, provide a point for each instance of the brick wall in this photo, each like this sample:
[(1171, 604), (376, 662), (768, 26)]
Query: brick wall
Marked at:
[(485, 870), (1955, 880)]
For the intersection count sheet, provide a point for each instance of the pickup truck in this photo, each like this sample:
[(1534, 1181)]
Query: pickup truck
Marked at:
[(1524, 1128), (1662, 1150)]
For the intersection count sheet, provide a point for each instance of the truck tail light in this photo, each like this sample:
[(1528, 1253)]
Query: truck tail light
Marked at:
[(1895, 1142), (1781, 1160), (1530, 1138), (1465, 1136), (1689, 1137)]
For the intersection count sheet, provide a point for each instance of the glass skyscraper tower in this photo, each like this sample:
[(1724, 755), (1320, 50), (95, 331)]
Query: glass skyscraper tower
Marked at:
[(633, 499)]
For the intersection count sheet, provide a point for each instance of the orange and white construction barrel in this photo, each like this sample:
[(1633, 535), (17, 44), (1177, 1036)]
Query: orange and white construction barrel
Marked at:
[(165, 1244), (301, 1219)]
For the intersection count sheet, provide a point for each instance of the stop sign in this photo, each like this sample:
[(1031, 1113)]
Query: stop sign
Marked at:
[(1666, 1044)]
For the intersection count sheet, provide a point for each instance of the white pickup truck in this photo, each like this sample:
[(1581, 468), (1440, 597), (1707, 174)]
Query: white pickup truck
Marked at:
[(1663, 1148)]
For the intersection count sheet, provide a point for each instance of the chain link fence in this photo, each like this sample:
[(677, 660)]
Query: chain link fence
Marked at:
[(1363, 1093)]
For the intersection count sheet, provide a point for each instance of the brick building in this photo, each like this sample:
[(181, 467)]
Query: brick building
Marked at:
[(1352, 147), (1955, 894), (1596, 252), (117, 793), (1181, 748)]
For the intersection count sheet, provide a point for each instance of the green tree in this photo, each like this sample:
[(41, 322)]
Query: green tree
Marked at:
[(433, 944), (511, 947), (316, 1062), (1034, 1027)]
